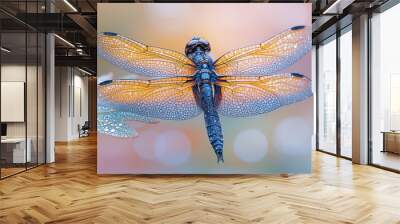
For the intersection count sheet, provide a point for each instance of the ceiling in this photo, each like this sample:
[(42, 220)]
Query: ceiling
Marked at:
[(76, 21)]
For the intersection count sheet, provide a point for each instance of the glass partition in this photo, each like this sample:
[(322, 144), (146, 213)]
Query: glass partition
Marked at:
[(22, 78), (13, 94), (31, 97), (41, 97)]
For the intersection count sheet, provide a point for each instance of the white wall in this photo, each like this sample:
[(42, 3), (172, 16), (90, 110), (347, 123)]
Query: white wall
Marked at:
[(62, 82), (71, 102), (16, 73), (80, 110)]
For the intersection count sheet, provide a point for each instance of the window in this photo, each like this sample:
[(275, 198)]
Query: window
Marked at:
[(327, 96), (346, 92), (385, 89)]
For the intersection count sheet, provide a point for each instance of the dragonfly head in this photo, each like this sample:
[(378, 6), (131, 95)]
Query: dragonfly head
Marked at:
[(196, 43)]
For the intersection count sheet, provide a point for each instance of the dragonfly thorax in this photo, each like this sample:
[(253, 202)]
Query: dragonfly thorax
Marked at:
[(205, 76), (205, 68), (202, 60)]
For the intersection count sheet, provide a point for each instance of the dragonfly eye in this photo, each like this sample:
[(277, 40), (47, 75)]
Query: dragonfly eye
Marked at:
[(196, 42)]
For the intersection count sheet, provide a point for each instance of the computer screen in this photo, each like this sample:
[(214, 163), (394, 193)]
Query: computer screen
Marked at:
[(3, 129)]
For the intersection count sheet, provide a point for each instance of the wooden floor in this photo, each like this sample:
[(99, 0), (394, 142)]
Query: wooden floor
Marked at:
[(70, 191), (387, 159), (5, 172)]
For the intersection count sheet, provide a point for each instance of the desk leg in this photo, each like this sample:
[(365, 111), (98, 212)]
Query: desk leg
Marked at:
[(384, 143)]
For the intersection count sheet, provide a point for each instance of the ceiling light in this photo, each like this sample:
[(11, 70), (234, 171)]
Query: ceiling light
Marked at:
[(5, 50), (65, 41), (338, 6), (84, 71), (79, 51), (326, 11), (70, 5)]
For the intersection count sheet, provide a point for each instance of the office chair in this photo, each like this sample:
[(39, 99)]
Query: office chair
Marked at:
[(84, 130)]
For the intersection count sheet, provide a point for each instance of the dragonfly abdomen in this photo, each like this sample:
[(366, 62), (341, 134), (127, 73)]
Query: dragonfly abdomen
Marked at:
[(211, 119)]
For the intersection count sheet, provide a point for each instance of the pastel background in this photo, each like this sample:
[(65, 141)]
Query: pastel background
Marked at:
[(276, 142)]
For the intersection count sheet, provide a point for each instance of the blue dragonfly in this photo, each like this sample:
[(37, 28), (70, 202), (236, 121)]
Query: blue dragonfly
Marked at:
[(241, 83)]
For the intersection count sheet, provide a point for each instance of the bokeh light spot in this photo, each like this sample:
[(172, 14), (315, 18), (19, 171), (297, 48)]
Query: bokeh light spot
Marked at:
[(172, 148), (250, 145), (292, 136)]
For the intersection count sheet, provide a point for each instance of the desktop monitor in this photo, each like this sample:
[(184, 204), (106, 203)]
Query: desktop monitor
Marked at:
[(3, 129)]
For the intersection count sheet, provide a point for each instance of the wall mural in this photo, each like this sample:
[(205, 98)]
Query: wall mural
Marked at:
[(172, 108)]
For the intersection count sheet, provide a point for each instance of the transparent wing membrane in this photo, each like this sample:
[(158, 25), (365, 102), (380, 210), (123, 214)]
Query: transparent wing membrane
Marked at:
[(268, 57), (168, 98), (114, 123), (249, 95), (140, 59)]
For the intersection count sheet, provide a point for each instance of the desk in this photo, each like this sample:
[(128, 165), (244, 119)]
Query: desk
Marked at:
[(16, 147), (391, 141)]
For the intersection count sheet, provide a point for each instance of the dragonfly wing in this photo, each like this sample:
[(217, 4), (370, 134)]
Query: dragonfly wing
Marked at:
[(250, 95), (106, 111), (268, 57), (140, 59), (113, 123), (167, 98), (101, 108)]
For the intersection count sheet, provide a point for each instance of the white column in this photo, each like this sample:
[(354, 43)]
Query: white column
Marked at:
[(314, 89), (50, 100), (360, 90), (50, 92)]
